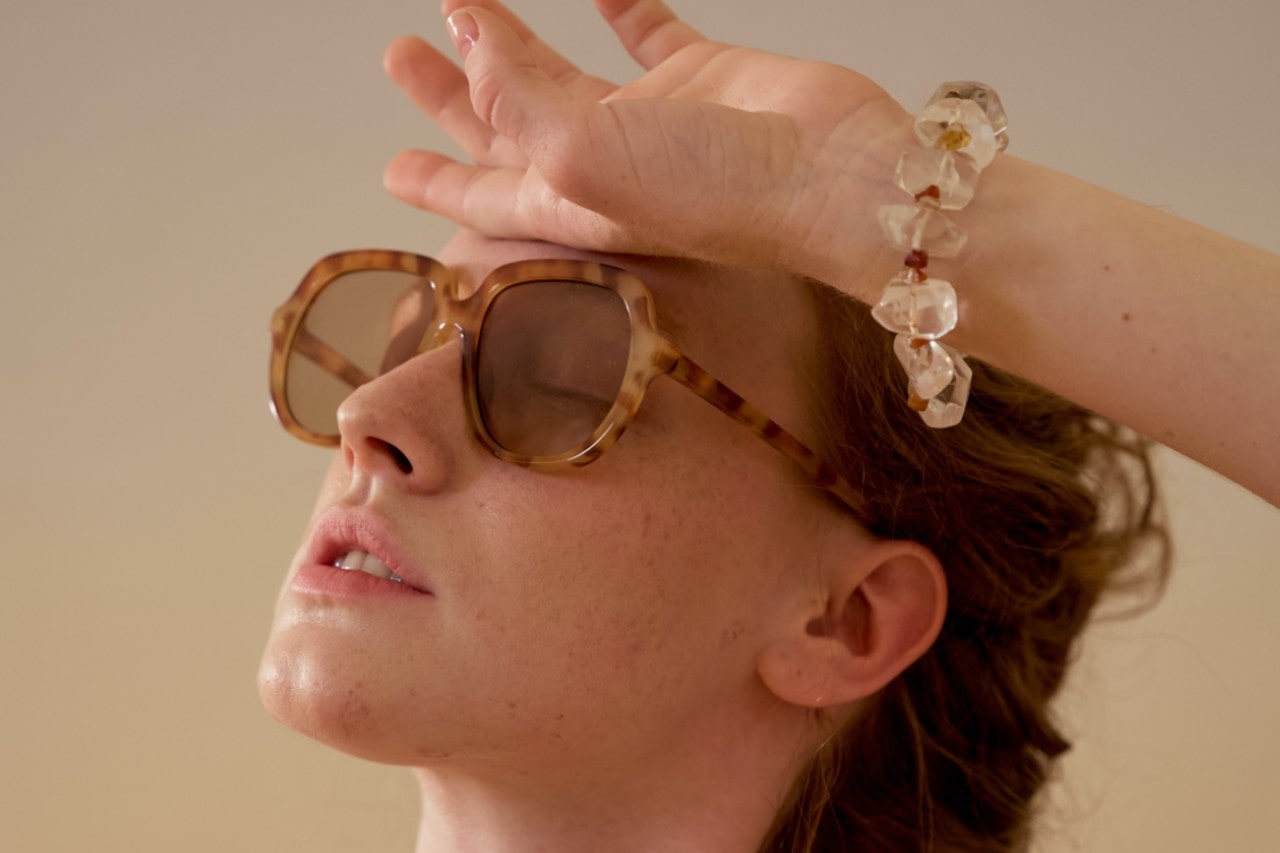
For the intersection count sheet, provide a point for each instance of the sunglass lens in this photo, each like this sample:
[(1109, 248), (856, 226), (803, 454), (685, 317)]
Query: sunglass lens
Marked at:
[(550, 361), (361, 325)]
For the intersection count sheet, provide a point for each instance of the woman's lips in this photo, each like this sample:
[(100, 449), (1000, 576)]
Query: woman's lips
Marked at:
[(352, 551), (332, 582)]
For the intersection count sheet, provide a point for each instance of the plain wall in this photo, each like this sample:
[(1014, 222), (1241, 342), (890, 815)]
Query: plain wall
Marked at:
[(169, 169)]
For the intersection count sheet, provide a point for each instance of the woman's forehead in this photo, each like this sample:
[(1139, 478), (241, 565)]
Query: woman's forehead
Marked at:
[(723, 301), (472, 256)]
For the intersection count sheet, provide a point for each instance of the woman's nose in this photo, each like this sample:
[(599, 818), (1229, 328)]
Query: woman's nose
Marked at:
[(408, 426)]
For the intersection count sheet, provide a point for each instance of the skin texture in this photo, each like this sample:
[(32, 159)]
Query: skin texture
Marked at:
[(749, 159), (566, 157), (630, 648)]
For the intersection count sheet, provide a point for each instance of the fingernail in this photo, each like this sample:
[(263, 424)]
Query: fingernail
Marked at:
[(463, 29)]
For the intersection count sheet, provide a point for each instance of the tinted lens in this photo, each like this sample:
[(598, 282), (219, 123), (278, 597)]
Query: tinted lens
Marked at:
[(551, 358), (361, 325)]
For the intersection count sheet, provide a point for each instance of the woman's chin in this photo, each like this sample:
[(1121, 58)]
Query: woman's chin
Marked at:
[(329, 690), (320, 700)]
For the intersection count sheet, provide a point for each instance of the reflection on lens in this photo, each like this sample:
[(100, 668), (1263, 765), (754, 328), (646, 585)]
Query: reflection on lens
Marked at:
[(361, 325), (550, 360)]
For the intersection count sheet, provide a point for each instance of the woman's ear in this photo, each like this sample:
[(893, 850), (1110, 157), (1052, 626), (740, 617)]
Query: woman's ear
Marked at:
[(882, 606)]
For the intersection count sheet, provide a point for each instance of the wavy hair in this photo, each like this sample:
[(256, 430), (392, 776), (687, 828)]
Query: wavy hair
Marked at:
[(1037, 508)]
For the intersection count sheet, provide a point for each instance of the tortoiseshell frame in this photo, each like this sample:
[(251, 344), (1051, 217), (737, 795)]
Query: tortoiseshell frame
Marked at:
[(651, 355)]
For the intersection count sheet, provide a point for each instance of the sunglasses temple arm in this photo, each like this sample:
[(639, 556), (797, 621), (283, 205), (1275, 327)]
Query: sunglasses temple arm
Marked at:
[(688, 373), (329, 359)]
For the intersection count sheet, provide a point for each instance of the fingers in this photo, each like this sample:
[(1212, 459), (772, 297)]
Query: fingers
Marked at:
[(649, 30), (506, 100), (553, 63), (558, 68), (459, 191), (506, 203), (439, 89), (510, 91)]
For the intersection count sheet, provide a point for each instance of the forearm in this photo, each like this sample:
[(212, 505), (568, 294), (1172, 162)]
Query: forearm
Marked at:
[(1146, 318), (750, 159)]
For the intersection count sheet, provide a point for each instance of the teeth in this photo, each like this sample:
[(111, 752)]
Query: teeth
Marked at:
[(361, 561)]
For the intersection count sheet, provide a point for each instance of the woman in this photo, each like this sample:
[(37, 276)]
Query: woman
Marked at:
[(685, 645)]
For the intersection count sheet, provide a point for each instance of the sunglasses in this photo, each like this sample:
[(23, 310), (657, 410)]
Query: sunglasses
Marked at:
[(556, 355)]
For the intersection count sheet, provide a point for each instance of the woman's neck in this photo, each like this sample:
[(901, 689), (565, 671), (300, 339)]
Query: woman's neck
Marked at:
[(717, 792)]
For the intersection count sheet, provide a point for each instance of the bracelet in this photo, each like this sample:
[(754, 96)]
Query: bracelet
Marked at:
[(962, 126)]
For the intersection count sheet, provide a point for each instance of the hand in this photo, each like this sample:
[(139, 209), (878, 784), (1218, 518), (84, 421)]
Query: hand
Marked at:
[(716, 152)]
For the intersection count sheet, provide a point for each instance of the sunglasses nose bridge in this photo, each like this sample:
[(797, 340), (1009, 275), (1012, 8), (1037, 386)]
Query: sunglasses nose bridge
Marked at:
[(449, 318), (436, 336)]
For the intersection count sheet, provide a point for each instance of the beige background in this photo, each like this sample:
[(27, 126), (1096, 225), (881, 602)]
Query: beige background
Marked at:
[(167, 172)]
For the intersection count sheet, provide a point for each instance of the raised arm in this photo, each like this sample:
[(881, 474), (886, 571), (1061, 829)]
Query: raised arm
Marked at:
[(751, 159)]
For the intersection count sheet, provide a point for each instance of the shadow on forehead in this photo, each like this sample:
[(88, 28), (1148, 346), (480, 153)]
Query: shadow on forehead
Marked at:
[(700, 303), (744, 322)]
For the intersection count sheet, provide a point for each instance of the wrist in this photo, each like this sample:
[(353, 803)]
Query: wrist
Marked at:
[(962, 128), (842, 244)]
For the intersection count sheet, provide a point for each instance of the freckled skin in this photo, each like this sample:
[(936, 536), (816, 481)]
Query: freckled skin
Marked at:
[(594, 618)]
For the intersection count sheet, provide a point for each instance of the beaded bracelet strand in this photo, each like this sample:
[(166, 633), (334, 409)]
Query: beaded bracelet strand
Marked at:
[(962, 127)]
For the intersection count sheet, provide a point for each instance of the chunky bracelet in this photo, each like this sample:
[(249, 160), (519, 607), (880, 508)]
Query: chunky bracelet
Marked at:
[(962, 127)]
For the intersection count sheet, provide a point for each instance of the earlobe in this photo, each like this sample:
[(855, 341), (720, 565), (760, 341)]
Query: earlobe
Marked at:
[(883, 608)]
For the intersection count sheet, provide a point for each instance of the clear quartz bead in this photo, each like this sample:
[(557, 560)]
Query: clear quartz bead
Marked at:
[(928, 365), (911, 226), (925, 309), (954, 177), (959, 125), (946, 408), (986, 98)]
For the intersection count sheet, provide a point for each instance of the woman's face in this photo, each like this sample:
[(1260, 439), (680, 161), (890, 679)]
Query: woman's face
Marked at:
[(581, 616)]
